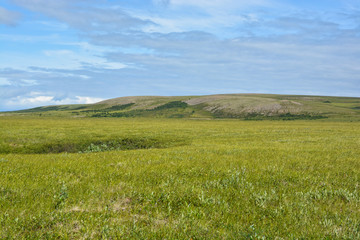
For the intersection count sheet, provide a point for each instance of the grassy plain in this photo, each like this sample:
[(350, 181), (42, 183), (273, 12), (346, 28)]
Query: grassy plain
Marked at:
[(192, 179)]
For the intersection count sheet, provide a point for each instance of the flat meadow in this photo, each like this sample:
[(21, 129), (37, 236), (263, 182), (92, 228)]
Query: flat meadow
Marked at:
[(139, 178)]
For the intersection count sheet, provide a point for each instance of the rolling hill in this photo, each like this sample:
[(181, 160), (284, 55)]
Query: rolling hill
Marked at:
[(240, 106)]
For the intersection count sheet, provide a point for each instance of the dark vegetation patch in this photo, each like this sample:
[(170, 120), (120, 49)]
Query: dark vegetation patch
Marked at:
[(79, 108), (178, 115), (113, 108), (92, 145), (132, 113), (259, 116), (284, 117), (356, 108), (7, 194), (174, 104), (119, 107)]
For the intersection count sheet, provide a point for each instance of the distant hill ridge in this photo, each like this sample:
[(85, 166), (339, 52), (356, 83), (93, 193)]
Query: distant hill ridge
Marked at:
[(243, 106)]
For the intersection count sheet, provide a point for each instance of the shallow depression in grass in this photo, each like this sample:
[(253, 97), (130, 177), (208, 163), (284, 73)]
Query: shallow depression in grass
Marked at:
[(91, 145)]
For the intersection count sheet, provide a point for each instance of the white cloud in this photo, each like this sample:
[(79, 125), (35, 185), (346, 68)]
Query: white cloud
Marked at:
[(87, 100), (8, 17), (36, 99), (110, 65)]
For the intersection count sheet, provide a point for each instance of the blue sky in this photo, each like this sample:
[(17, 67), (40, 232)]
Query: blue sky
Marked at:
[(83, 51)]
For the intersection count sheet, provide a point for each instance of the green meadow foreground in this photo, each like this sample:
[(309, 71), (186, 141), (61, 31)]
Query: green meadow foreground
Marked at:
[(144, 178)]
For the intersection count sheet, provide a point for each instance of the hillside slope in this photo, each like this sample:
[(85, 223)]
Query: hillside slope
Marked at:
[(243, 106)]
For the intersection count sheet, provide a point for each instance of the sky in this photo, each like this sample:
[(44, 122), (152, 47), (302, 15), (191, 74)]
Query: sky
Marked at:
[(84, 51)]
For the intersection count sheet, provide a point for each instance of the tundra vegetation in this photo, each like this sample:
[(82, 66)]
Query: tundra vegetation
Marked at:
[(237, 106), (72, 177)]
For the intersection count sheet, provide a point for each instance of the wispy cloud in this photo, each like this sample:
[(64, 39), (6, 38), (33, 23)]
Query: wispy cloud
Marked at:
[(216, 5), (84, 15), (8, 17), (162, 3), (18, 82), (4, 82)]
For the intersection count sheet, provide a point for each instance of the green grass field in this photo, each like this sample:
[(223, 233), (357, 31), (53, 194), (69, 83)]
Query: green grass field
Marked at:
[(139, 178)]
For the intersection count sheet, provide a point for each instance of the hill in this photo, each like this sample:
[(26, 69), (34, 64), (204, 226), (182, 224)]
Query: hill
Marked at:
[(241, 106)]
